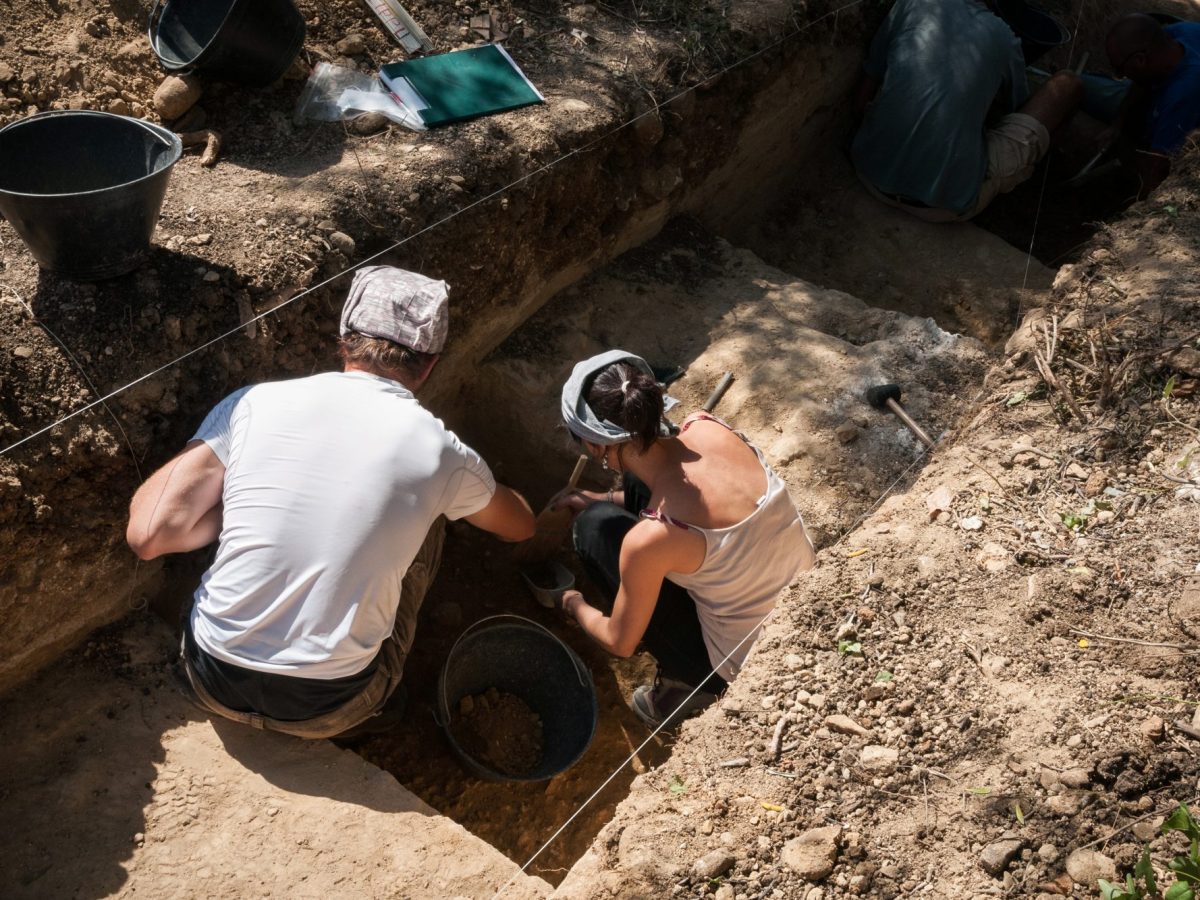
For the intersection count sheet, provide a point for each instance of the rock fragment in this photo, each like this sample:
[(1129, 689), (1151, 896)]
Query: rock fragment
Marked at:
[(847, 433), (714, 864), (352, 45), (846, 725), (813, 853), (342, 242), (881, 760), (1086, 867), (997, 856), (176, 95), (1153, 729)]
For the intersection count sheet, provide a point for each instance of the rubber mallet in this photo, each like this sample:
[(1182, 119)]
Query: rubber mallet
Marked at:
[(887, 396)]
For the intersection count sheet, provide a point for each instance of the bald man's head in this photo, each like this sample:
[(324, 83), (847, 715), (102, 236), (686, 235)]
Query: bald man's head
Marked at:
[(1139, 48)]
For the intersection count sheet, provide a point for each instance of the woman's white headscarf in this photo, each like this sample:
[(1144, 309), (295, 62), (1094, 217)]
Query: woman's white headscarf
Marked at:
[(580, 419)]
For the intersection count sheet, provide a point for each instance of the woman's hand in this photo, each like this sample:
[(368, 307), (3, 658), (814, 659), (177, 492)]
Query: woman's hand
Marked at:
[(569, 601), (575, 500)]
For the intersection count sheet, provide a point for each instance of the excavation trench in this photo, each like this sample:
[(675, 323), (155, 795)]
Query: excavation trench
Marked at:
[(802, 355), (769, 261)]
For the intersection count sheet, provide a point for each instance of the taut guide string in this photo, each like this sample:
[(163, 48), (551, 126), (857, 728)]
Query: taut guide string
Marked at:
[(428, 228)]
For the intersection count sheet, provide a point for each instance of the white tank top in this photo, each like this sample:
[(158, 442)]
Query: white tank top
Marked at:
[(745, 567)]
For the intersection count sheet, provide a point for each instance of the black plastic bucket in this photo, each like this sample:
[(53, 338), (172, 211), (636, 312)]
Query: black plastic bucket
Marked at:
[(83, 189), (1039, 32), (517, 656), (250, 42)]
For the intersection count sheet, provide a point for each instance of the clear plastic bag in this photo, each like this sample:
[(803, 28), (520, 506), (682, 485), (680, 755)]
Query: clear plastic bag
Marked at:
[(332, 94)]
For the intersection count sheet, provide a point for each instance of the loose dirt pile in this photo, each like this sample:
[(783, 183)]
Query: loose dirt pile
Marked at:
[(500, 731), (974, 692)]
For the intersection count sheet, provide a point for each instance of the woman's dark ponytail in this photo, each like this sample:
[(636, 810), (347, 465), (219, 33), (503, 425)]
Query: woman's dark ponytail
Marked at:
[(630, 398)]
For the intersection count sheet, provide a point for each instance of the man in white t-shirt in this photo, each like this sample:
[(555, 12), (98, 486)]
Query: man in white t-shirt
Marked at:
[(326, 495)]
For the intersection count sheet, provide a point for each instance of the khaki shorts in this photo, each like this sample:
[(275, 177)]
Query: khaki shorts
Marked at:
[(1014, 147), (394, 653)]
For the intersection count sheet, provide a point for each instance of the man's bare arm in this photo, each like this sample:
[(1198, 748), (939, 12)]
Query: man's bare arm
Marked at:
[(507, 516), (179, 506)]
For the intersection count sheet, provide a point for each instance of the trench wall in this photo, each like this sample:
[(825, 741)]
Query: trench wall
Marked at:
[(717, 152)]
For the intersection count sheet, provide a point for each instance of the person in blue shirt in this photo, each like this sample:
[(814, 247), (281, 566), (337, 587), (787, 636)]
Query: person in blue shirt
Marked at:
[(1162, 107), (947, 120)]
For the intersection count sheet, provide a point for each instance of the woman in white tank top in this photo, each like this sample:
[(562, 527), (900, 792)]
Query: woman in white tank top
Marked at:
[(692, 553)]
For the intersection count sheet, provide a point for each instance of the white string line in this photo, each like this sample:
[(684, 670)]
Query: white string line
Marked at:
[(753, 631), (82, 372), (486, 198), (1046, 171)]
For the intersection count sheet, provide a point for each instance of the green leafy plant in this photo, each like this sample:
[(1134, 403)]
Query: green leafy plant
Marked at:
[(1142, 883), (849, 648), (676, 786)]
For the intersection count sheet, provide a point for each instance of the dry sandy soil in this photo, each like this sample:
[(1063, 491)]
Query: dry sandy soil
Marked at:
[(1000, 705)]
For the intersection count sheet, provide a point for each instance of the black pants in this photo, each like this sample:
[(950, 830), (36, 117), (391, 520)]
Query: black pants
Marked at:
[(674, 636)]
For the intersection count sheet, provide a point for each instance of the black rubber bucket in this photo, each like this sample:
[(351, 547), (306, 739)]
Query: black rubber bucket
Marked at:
[(249, 42), (1039, 32), (519, 657), (83, 189)]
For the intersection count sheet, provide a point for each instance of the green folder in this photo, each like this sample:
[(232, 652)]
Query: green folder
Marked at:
[(465, 84)]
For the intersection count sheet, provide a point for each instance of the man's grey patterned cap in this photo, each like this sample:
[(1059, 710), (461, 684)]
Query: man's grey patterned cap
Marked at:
[(403, 307)]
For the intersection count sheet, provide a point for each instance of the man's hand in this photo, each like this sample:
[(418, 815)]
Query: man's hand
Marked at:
[(179, 506)]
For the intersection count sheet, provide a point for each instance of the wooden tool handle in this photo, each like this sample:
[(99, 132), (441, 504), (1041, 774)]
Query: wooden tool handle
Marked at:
[(577, 472), (718, 392)]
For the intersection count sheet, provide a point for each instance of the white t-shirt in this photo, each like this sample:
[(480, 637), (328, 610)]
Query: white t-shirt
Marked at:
[(331, 485)]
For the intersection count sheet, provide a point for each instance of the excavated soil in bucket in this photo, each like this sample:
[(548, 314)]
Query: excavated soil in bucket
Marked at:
[(478, 579), (500, 731)]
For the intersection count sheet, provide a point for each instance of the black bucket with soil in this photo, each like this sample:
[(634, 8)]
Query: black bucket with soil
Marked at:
[(248, 42), (84, 189), (515, 702)]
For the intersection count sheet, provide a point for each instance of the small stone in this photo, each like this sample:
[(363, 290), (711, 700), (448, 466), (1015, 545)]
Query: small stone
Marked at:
[(1096, 483), (1086, 867), (272, 811), (212, 277), (725, 892), (1067, 804), (813, 853), (176, 95), (1153, 729), (118, 107), (352, 45), (201, 239), (846, 725), (1047, 853), (1074, 741), (342, 242), (23, 352), (879, 759), (139, 838), (1148, 829), (173, 328), (847, 432), (1076, 471), (368, 123), (6, 73), (997, 856), (1075, 778), (706, 827), (261, 223), (714, 864)]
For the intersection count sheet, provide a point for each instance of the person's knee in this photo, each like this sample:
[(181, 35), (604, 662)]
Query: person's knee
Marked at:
[(593, 522), (1067, 87)]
